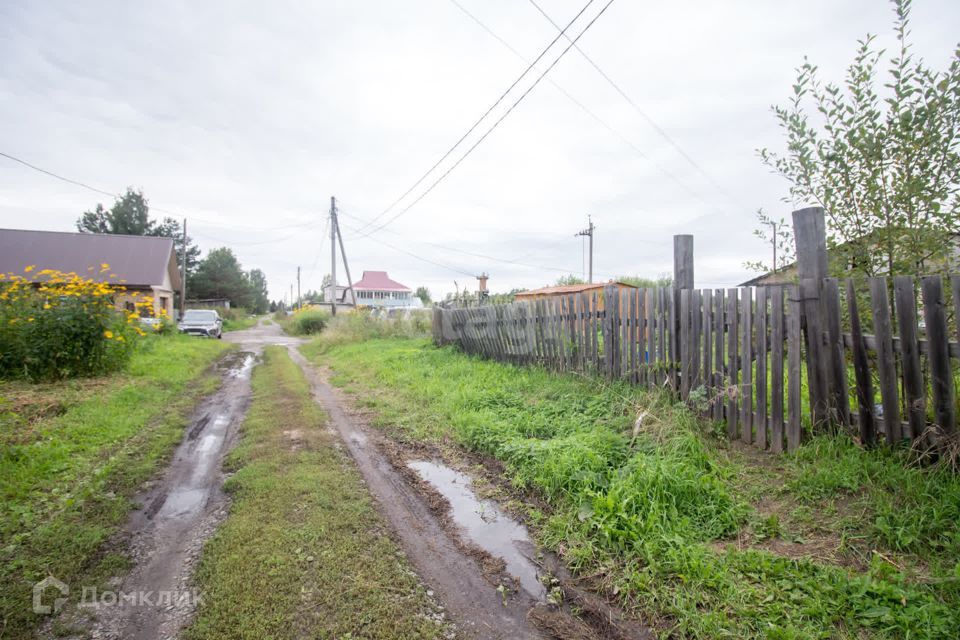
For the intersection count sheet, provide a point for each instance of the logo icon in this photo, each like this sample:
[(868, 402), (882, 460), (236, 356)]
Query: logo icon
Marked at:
[(38, 590)]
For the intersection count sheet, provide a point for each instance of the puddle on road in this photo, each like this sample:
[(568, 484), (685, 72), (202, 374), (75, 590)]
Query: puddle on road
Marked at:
[(181, 503), (485, 524), (245, 367)]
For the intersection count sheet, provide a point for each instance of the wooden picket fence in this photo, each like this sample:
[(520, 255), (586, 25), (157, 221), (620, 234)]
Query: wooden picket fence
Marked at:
[(772, 363)]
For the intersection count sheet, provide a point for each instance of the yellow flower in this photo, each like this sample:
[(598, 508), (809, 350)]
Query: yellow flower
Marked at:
[(108, 334), (30, 268), (29, 319), (46, 305), (104, 266)]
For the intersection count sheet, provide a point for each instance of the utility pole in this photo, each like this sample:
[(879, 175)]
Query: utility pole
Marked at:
[(299, 300), (183, 272), (588, 232), (346, 267), (333, 255), (774, 225), (291, 296)]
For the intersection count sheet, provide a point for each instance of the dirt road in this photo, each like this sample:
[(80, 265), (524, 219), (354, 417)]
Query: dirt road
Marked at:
[(479, 610), (184, 507), (179, 511)]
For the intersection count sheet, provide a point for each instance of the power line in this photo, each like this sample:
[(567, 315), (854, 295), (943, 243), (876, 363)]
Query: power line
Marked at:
[(495, 124), (480, 119), (606, 125), (57, 176), (444, 247), (418, 257), (250, 243), (663, 134), (323, 234), (152, 207)]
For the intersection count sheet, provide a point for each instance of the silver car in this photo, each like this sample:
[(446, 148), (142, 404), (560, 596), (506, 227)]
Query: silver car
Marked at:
[(201, 322)]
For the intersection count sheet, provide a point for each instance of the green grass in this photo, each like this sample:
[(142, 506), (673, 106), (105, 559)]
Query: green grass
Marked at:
[(73, 454), (238, 324), (702, 539), (358, 325), (303, 552)]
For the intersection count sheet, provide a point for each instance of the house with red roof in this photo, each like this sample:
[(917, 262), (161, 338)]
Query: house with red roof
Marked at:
[(376, 289)]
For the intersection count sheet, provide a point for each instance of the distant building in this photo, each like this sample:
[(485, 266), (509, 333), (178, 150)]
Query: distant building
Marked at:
[(146, 265), (375, 289), (571, 289), (209, 303)]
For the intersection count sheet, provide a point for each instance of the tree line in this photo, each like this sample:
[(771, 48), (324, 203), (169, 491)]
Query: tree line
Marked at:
[(217, 275)]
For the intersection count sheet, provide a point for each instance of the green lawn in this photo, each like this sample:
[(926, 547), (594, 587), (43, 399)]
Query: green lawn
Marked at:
[(303, 553), (71, 456), (699, 537)]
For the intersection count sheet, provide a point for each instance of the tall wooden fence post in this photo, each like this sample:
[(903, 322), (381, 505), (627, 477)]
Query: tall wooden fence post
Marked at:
[(811, 238), (682, 279)]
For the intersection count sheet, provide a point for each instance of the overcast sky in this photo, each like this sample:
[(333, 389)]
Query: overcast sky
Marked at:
[(245, 117)]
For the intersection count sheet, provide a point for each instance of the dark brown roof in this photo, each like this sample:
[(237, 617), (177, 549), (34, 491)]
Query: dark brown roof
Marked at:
[(139, 260), (571, 288)]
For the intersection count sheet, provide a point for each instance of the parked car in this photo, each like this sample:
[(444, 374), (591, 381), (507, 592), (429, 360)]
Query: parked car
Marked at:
[(201, 322)]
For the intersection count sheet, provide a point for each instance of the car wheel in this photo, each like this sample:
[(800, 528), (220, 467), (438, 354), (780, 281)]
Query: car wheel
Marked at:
[(220, 335)]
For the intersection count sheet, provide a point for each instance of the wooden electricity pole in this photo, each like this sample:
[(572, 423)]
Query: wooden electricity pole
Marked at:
[(333, 255), (589, 233), (346, 268), (336, 236), (299, 302)]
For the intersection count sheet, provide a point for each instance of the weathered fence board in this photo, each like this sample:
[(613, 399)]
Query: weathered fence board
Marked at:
[(777, 336), (904, 299), (886, 364), (761, 383), (794, 369), (746, 366), (837, 363), (717, 396), (941, 378), (861, 369), (733, 362)]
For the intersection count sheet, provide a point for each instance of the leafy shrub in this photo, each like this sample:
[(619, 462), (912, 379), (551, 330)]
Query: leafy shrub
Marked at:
[(364, 324), (58, 325), (306, 322)]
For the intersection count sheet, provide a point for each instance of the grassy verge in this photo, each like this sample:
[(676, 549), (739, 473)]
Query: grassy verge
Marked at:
[(361, 324), (699, 537), (71, 456), (238, 324), (303, 552)]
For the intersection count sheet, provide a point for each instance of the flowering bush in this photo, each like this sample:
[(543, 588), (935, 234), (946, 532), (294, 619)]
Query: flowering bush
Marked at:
[(57, 325)]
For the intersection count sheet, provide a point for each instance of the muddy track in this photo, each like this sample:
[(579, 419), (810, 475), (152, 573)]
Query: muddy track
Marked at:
[(178, 512), (475, 605), (413, 483)]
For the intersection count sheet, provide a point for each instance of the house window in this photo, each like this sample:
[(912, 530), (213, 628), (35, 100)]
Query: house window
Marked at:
[(164, 300)]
